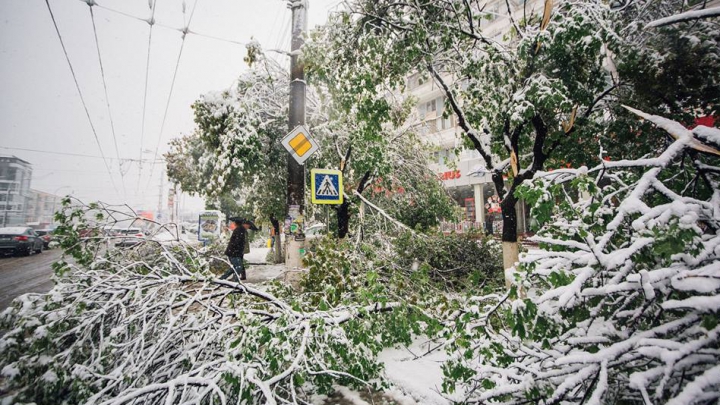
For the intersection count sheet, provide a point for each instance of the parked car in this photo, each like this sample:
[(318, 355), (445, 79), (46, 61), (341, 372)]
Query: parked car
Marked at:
[(20, 240), (128, 237), (165, 237), (315, 231), (45, 235)]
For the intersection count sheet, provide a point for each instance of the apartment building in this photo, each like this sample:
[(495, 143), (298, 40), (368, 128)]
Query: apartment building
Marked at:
[(15, 176), (462, 170)]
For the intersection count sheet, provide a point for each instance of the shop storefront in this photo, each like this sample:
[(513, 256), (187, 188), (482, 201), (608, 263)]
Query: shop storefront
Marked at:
[(479, 206)]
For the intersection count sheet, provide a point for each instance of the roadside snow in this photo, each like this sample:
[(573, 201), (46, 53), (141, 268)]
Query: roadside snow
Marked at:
[(419, 378), (259, 271)]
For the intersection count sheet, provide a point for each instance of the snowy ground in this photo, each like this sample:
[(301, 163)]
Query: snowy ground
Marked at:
[(259, 270), (417, 371)]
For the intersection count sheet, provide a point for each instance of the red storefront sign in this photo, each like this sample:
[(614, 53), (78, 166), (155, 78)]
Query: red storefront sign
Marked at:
[(451, 175)]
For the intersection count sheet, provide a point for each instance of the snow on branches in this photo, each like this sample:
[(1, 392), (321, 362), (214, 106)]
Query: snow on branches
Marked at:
[(236, 143), (622, 296), (153, 324)]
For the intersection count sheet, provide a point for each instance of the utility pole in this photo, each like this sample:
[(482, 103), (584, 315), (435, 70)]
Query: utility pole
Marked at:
[(7, 202), (160, 198), (296, 171)]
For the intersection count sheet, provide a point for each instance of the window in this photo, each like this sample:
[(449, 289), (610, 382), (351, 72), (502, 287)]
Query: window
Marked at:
[(444, 123), (431, 106), (414, 81), (421, 111)]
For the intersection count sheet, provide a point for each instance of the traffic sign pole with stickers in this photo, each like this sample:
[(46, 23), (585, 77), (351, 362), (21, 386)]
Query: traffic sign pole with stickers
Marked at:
[(327, 186)]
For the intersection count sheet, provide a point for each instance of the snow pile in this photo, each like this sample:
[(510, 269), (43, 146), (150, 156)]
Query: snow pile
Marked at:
[(418, 373)]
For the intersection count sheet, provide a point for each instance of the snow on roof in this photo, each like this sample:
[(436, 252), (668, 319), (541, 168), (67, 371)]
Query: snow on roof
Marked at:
[(13, 230)]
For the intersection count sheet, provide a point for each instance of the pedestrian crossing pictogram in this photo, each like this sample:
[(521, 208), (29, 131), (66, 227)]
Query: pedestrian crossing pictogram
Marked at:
[(326, 186), (327, 189)]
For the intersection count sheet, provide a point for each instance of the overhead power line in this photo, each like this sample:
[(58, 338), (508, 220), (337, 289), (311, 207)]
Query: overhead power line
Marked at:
[(107, 97), (151, 21), (147, 76), (82, 98), (82, 155), (172, 87)]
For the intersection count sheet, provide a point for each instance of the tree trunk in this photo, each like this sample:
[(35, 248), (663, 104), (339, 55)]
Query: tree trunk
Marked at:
[(343, 210), (277, 241), (343, 219), (511, 253)]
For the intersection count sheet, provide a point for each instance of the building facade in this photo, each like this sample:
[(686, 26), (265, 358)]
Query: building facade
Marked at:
[(15, 176), (40, 209), (462, 170)]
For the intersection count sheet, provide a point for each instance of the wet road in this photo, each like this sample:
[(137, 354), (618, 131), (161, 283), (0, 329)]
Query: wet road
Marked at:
[(20, 275)]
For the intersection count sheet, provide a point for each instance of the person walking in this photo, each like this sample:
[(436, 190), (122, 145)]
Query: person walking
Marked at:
[(236, 248)]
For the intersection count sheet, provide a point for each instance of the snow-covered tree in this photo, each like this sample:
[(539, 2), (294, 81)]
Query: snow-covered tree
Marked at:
[(537, 97), (622, 297), (236, 148)]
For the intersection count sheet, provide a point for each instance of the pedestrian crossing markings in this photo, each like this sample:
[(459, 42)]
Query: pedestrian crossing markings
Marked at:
[(327, 188)]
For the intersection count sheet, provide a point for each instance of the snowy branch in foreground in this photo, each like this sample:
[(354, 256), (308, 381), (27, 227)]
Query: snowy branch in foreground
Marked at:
[(624, 293), (152, 324), (686, 16)]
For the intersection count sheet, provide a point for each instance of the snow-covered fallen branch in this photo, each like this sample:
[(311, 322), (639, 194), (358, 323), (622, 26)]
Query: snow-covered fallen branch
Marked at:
[(153, 324), (691, 15)]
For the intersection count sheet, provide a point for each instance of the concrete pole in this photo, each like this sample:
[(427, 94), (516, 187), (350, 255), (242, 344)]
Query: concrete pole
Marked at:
[(478, 190), (296, 172), (7, 204), (160, 198)]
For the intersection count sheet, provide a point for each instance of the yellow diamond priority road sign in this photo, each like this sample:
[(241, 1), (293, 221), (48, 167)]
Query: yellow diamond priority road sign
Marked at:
[(300, 144)]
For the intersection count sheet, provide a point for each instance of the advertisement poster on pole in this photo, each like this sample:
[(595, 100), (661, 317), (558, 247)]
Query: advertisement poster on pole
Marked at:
[(209, 225)]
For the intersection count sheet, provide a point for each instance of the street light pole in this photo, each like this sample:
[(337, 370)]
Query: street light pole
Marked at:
[(296, 172)]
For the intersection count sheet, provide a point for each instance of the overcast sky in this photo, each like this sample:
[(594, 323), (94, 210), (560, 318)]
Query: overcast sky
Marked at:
[(40, 108)]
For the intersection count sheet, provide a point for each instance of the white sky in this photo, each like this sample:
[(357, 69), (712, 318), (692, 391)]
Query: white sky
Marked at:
[(40, 107)]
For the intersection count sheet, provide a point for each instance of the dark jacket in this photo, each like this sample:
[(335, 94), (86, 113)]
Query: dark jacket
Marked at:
[(236, 246)]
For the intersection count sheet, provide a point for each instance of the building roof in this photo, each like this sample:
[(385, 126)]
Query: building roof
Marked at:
[(11, 158)]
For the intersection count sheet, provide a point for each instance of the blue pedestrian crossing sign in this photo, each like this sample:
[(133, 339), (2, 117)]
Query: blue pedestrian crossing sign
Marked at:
[(327, 187)]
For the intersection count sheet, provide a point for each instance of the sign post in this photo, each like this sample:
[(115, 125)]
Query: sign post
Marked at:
[(301, 146)]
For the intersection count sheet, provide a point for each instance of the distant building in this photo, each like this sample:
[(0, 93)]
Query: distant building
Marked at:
[(15, 175), (40, 208)]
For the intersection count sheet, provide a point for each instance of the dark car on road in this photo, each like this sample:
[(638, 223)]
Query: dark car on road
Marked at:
[(20, 240), (45, 235)]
